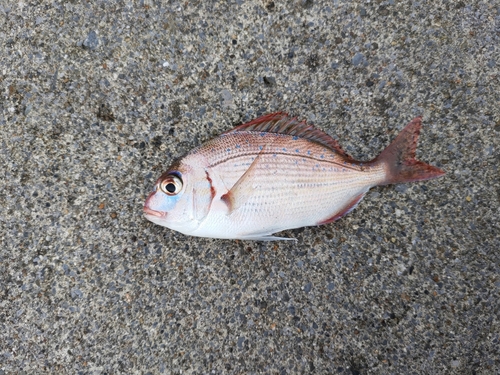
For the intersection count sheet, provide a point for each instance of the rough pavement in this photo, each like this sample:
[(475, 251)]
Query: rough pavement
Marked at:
[(98, 97)]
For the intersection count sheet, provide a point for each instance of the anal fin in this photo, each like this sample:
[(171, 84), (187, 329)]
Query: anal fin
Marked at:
[(350, 206)]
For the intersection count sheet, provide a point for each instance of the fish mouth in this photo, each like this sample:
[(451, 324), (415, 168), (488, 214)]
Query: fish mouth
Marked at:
[(149, 212)]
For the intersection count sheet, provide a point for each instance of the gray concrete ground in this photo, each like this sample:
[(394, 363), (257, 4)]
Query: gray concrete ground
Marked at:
[(98, 97)]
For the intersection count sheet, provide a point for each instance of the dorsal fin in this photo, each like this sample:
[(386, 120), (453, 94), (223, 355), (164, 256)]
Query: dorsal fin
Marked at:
[(282, 123)]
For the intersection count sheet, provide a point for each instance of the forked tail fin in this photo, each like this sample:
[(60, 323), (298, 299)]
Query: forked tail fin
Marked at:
[(399, 158)]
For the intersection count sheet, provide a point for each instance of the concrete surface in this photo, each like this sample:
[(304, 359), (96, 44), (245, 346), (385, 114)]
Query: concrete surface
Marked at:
[(98, 97)]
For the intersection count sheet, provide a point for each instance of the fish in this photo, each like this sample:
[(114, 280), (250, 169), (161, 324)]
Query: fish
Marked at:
[(273, 174)]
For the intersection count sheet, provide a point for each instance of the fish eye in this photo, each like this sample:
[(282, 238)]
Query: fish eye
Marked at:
[(171, 185)]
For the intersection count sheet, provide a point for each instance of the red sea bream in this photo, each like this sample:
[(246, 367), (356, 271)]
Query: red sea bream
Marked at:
[(272, 174)]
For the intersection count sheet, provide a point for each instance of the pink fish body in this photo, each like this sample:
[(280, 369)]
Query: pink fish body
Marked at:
[(272, 174)]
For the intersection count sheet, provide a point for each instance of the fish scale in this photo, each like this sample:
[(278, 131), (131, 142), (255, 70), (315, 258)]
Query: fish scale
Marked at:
[(272, 174), (311, 190)]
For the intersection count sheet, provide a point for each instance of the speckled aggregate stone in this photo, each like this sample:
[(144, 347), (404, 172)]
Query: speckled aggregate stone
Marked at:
[(98, 97)]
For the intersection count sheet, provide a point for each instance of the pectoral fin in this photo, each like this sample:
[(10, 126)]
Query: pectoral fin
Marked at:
[(243, 189)]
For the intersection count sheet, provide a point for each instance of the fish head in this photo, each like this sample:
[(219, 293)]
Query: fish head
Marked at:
[(180, 199)]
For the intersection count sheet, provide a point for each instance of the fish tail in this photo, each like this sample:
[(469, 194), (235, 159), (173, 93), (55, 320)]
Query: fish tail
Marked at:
[(399, 158)]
